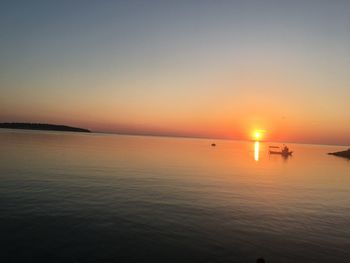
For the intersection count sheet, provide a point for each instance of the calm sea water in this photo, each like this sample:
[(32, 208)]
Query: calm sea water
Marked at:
[(69, 197)]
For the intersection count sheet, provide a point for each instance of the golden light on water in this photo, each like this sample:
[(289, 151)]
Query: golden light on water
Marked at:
[(256, 151)]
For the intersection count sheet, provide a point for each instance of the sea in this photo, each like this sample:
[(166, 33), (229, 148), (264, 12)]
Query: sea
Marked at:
[(91, 197)]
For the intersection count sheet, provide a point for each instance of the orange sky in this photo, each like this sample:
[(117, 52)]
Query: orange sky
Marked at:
[(221, 71)]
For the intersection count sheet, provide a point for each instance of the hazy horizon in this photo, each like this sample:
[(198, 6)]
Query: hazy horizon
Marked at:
[(169, 135)]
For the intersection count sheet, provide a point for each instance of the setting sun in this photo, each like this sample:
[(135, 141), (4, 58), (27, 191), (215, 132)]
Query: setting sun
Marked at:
[(258, 134)]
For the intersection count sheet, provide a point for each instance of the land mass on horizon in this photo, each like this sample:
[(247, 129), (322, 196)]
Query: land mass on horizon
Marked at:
[(345, 154), (41, 126)]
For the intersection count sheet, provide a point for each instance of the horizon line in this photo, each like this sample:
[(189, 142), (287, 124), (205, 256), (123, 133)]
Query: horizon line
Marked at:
[(169, 135), (209, 138)]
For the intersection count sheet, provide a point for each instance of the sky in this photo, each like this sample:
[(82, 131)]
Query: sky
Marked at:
[(217, 69)]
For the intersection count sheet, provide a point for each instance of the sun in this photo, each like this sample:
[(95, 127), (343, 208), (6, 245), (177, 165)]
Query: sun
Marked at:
[(258, 134)]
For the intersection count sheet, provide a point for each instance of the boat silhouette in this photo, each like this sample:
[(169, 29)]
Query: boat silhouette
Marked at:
[(284, 151)]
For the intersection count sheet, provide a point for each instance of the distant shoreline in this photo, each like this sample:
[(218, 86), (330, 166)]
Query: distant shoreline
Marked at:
[(41, 126), (345, 154)]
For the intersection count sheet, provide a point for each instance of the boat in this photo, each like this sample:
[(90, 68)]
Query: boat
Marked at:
[(284, 151)]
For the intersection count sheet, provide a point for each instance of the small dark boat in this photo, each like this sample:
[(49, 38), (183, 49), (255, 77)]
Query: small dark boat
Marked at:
[(213, 144), (284, 151), (281, 152)]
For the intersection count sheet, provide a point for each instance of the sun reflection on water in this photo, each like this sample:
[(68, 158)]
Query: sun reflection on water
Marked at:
[(256, 151)]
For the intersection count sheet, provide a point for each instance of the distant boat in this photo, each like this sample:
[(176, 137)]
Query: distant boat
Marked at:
[(213, 144), (283, 151)]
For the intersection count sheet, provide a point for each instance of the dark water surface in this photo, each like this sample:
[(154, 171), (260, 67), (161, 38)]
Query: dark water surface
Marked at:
[(69, 197)]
